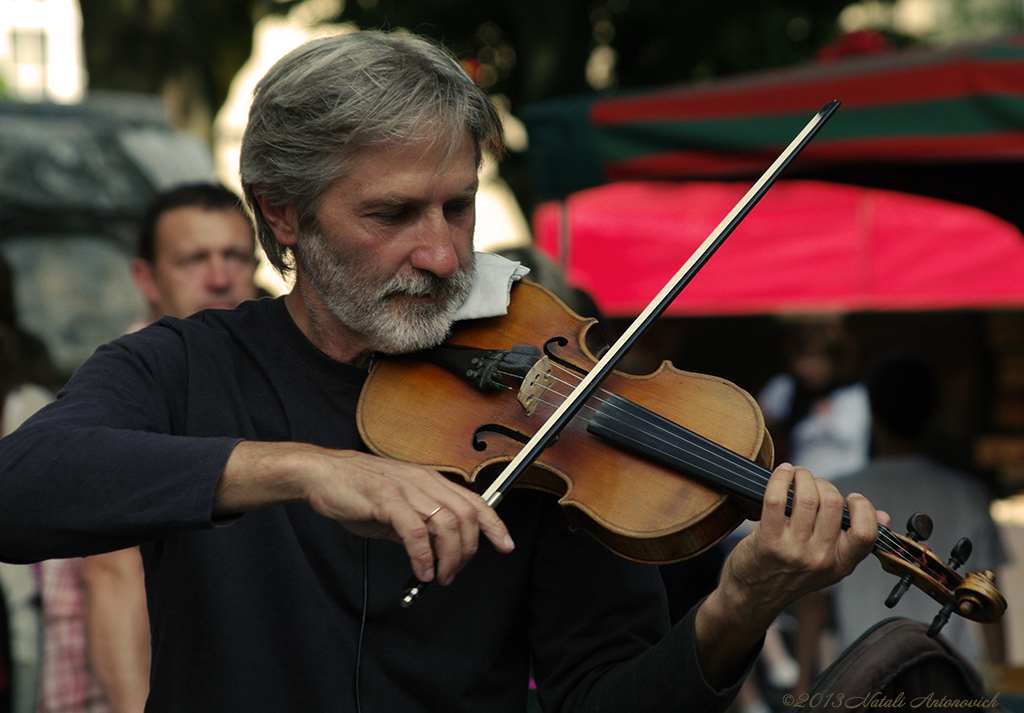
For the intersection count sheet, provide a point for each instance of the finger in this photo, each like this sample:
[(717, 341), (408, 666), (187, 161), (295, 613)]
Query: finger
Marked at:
[(458, 526), (883, 518), (438, 528), (454, 539), (803, 517), (455, 518), (776, 497), (828, 523), (411, 530), (863, 530), (493, 527)]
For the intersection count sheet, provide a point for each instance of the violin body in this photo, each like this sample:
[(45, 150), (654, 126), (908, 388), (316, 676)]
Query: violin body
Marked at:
[(416, 411)]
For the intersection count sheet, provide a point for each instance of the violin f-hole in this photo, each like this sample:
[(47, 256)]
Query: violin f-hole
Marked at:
[(480, 435), (551, 352)]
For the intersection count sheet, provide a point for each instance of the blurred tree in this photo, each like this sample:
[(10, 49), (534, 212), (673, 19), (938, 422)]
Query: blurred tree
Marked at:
[(186, 50), (527, 50), (661, 43), (537, 49)]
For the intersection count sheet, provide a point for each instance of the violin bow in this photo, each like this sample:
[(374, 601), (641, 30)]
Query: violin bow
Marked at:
[(590, 383), (557, 421)]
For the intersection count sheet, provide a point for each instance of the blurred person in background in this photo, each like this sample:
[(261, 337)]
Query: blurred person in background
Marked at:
[(818, 416), (196, 250), (904, 395), (24, 363), (817, 411), (29, 354), (27, 375)]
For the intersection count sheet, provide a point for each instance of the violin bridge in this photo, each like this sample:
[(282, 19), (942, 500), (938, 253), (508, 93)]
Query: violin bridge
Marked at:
[(538, 380)]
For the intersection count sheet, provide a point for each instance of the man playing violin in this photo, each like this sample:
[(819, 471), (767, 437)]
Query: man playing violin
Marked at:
[(226, 444)]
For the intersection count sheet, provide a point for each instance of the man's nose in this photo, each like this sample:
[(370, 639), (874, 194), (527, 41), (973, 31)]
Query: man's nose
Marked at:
[(436, 252), (218, 275)]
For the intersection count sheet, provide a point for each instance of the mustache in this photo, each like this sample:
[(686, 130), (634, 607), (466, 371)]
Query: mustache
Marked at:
[(427, 285)]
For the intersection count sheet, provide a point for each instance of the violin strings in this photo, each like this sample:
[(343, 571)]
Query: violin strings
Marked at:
[(887, 541), (705, 454)]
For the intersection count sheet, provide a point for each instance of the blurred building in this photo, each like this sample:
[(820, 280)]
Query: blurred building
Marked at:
[(41, 56)]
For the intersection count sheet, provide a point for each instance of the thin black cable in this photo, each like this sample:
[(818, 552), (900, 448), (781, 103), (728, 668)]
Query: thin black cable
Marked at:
[(362, 621)]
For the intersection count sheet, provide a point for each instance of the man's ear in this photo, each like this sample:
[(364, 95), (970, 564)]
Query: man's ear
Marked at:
[(145, 280), (282, 219)]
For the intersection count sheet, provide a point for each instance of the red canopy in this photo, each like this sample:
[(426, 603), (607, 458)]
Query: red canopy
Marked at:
[(806, 245)]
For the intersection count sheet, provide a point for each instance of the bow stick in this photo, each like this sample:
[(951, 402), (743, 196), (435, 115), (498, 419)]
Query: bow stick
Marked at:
[(590, 383)]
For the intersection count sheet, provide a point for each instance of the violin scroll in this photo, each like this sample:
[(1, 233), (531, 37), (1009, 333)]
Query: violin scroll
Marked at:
[(978, 599), (973, 596)]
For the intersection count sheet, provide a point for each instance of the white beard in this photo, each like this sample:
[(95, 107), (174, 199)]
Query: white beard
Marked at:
[(377, 310)]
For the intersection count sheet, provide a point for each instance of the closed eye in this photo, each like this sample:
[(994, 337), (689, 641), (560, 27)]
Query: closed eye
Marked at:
[(391, 216), (460, 206)]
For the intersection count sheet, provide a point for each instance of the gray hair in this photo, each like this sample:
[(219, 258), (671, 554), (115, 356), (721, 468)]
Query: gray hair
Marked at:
[(333, 96)]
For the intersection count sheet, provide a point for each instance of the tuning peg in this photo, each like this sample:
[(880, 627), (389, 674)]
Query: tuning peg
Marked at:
[(940, 620), (961, 551), (919, 527), (899, 590)]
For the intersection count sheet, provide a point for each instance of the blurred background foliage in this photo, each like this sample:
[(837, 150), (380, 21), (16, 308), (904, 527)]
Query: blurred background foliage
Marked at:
[(526, 50)]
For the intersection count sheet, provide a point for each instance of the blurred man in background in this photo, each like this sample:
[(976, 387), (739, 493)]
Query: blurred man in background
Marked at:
[(196, 250), (904, 393)]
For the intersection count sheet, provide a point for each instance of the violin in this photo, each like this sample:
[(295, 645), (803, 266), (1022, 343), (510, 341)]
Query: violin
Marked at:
[(658, 468)]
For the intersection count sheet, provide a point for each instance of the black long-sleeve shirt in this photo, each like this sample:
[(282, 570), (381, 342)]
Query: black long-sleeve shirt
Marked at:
[(282, 609)]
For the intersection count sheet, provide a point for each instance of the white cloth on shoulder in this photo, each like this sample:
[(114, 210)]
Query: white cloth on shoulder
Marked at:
[(489, 296)]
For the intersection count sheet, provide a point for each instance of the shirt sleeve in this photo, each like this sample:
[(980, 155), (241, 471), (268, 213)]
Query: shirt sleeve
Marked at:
[(105, 466)]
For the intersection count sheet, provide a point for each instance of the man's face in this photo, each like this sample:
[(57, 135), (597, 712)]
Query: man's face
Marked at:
[(202, 259), (391, 254)]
